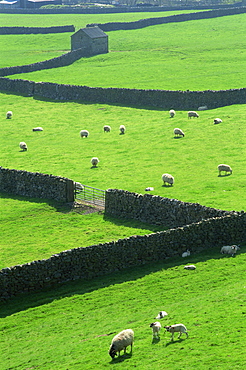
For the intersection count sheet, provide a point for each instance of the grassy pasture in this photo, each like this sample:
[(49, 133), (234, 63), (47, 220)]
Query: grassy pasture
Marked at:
[(195, 55), (68, 328)]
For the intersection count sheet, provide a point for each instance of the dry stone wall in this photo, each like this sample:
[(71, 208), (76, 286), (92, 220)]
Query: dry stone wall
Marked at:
[(36, 185), (29, 30)]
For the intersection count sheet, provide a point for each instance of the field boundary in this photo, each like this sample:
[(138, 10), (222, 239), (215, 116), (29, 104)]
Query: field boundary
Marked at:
[(35, 30)]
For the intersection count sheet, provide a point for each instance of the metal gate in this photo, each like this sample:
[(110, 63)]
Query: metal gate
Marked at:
[(91, 195)]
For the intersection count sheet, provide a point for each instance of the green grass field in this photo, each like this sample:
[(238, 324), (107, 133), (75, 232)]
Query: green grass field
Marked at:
[(71, 327)]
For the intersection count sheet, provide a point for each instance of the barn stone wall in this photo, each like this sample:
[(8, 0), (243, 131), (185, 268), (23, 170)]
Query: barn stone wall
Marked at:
[(36, 185)]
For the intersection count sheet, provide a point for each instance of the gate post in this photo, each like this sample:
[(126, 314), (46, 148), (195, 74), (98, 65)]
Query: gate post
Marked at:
[(70, 191)]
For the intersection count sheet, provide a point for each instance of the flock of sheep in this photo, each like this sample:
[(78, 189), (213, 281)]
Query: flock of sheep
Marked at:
[(126, 337), (169, 179)]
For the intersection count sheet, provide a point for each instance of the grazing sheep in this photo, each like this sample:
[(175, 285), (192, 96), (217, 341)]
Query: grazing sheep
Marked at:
[(149, 188), (203, 107), (190, 267), (172, 113), (84, 133), (230, 249), (9, 114), (224, 167), (186, 254), (156, 326), (192, 113), (122, 129), (121, 341), (167, 178), (106, 128), (23, 146), (78, 187), (177, 328), (161, 314), (179, 132), (94, 161), (217, 120), (38, 129)]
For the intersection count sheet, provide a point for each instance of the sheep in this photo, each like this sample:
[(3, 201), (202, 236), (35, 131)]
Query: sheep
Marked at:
[(149, 188), (161, 314), (9, 114), (190, 267), (23, 146), (94, 161), (203, 107), (186, 254), (84, 133), (38, 129), (122, 129), (121, 341), (177, 328), (167, 178), (172, 113), (230, 249), (224, 167), (192, 113), (106, 128), (78, 187), (217, 120), (156, 326), (179, 132)]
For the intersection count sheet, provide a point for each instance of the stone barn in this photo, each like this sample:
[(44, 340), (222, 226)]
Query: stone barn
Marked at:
[(92, 39)]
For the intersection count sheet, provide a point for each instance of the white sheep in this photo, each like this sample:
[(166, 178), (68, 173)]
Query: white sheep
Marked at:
[(121, 341), (167, 178), (172, 113), (217, 120), (224, 167), (186, 254), (190, 267), (156, 326), (230, 249), (179, 132), (94, 161), (122, 129), (106, 128), (78, 187), (203, 107), (84, 133), (177, 328), (192, 113), (161, 314), (23, 146), (9, 114), (38, 129)]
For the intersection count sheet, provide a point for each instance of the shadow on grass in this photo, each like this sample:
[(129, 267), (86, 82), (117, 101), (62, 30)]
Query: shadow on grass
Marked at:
[(120, 359), (155, 340), (80, 287), (175, 341)]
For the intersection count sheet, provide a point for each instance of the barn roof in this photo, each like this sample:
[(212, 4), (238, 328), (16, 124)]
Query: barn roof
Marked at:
[(92, 32)]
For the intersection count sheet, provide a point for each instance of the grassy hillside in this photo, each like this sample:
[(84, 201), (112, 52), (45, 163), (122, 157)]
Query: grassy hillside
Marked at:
[(72, 327), (195, 55)]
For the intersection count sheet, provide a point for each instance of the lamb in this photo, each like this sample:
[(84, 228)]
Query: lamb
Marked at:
[(38, 129), (217, 120), (156, 326), (161, 314), (192, 113), (167, 178), (190, 267), (203, 107), (230, 249), (224, 167), (84, 133), (9, 114), (121, 341), (179, 132), (23, 146), (172, 113), (122, 129), (177, 328), (186, 254), (94, 161), (78, 187), (106, 128)]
